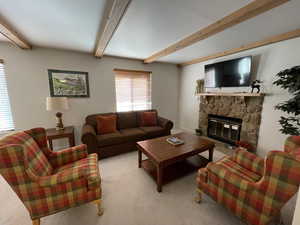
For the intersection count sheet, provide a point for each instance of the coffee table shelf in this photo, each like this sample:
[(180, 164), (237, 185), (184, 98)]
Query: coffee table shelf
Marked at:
[(177, 170)]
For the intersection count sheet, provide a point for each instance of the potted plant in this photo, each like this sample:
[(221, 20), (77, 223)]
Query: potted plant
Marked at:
[(289, 80)]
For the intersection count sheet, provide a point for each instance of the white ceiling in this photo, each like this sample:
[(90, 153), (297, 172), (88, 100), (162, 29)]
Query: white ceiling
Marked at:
[(66, 24), (147, 27)]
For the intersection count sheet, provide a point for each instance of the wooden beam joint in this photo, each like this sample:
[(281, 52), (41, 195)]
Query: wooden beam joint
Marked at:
[(12, 35)]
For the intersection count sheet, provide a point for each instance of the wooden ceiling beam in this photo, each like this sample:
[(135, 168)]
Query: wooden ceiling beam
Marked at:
[(251, 10), (114, 12), (12, 35), (271, 40)]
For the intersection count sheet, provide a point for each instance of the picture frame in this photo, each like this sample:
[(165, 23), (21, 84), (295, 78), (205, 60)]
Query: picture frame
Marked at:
[(72, 84)]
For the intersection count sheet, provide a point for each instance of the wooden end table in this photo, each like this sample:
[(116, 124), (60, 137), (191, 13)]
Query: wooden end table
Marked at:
[(166, 162), (68, 132)]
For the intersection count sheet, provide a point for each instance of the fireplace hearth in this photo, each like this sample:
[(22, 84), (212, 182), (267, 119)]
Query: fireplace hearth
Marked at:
[(225, 129)]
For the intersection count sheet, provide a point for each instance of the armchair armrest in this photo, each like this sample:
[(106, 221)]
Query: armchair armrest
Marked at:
[(165, 123), (224, 174), (65, 176), (249, 161), (68, 155)]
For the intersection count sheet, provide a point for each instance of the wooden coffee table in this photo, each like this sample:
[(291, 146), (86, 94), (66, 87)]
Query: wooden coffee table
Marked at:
[(167, 162)]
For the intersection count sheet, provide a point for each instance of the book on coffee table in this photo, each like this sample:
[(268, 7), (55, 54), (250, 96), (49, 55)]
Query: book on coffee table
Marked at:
[(175, 141)]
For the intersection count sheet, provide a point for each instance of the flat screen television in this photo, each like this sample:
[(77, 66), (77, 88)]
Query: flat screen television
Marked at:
[(231, 73)]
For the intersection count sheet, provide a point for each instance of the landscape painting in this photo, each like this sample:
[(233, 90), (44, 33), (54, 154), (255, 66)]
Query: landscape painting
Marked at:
[(68, 83)]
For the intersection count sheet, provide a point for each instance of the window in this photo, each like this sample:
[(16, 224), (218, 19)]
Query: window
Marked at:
[(6, 121), (133, 90)]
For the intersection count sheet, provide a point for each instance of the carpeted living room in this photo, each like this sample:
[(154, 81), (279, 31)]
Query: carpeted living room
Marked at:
[(144, 112)]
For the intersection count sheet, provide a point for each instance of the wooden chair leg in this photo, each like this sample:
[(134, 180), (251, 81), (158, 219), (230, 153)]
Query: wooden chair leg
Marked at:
[(36, 222), (198, 198), (100, 210)]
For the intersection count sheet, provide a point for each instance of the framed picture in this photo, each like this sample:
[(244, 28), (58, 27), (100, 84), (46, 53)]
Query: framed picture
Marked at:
[(72, 84)]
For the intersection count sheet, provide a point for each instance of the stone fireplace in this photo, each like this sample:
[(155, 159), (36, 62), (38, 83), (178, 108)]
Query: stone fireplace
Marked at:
[(246, 108), (225, 129)]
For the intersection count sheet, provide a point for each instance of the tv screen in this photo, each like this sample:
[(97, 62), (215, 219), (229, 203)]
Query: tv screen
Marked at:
[(232, 73)]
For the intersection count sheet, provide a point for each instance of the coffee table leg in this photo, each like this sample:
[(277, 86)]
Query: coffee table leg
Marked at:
[(211, 154), (159, 178), (140, 158)]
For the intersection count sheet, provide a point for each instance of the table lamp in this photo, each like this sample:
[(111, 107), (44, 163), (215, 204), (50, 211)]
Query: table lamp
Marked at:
[(57, 104)]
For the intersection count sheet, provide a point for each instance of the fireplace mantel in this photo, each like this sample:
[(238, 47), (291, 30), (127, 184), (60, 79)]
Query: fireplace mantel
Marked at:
[(232, 94)]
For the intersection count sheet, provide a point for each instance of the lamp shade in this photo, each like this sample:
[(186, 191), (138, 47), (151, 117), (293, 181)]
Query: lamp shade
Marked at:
[(57, 103)]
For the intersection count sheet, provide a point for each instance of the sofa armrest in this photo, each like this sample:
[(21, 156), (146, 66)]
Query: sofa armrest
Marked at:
[(89, 137), (165, 123)]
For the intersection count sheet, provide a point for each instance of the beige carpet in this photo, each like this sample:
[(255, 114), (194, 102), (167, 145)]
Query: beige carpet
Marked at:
[(129, 198)]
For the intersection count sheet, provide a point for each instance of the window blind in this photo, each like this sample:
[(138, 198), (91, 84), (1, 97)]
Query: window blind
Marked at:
[(133, 90), (6, 120)]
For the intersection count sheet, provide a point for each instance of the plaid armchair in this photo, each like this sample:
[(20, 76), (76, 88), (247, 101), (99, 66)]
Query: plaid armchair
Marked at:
[(48, 182), (254, 189)]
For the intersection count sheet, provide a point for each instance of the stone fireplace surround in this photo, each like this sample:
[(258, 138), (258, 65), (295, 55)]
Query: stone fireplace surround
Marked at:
[(248, 109)]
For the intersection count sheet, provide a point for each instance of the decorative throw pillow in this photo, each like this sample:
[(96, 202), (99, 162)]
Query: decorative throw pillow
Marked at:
[(148, 119), (106, 124)]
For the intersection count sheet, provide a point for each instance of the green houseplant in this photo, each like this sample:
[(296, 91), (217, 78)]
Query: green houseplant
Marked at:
[(289, 80)]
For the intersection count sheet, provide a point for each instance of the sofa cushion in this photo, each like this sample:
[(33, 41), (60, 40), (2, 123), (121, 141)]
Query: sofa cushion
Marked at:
[(132, 134), (127, 120), (110, 139), (139, 115), (149, 119), (106, 124), (153, 131), (92, 119)]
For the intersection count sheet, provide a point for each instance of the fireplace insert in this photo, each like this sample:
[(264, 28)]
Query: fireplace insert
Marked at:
[(225, 129)]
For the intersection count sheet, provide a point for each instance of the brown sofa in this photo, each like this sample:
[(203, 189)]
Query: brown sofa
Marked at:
[(124, 140)]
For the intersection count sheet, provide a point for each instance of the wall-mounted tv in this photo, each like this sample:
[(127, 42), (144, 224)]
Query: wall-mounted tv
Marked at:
[(232, 73)]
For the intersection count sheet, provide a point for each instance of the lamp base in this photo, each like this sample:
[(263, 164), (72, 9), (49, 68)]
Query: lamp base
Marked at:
[(59, 123), (59, 128)]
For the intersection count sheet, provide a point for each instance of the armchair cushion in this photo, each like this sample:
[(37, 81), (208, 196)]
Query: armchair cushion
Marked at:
[(84, 168)]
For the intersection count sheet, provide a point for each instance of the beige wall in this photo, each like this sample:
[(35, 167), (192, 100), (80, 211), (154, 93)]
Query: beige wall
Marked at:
[(28, 85)]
